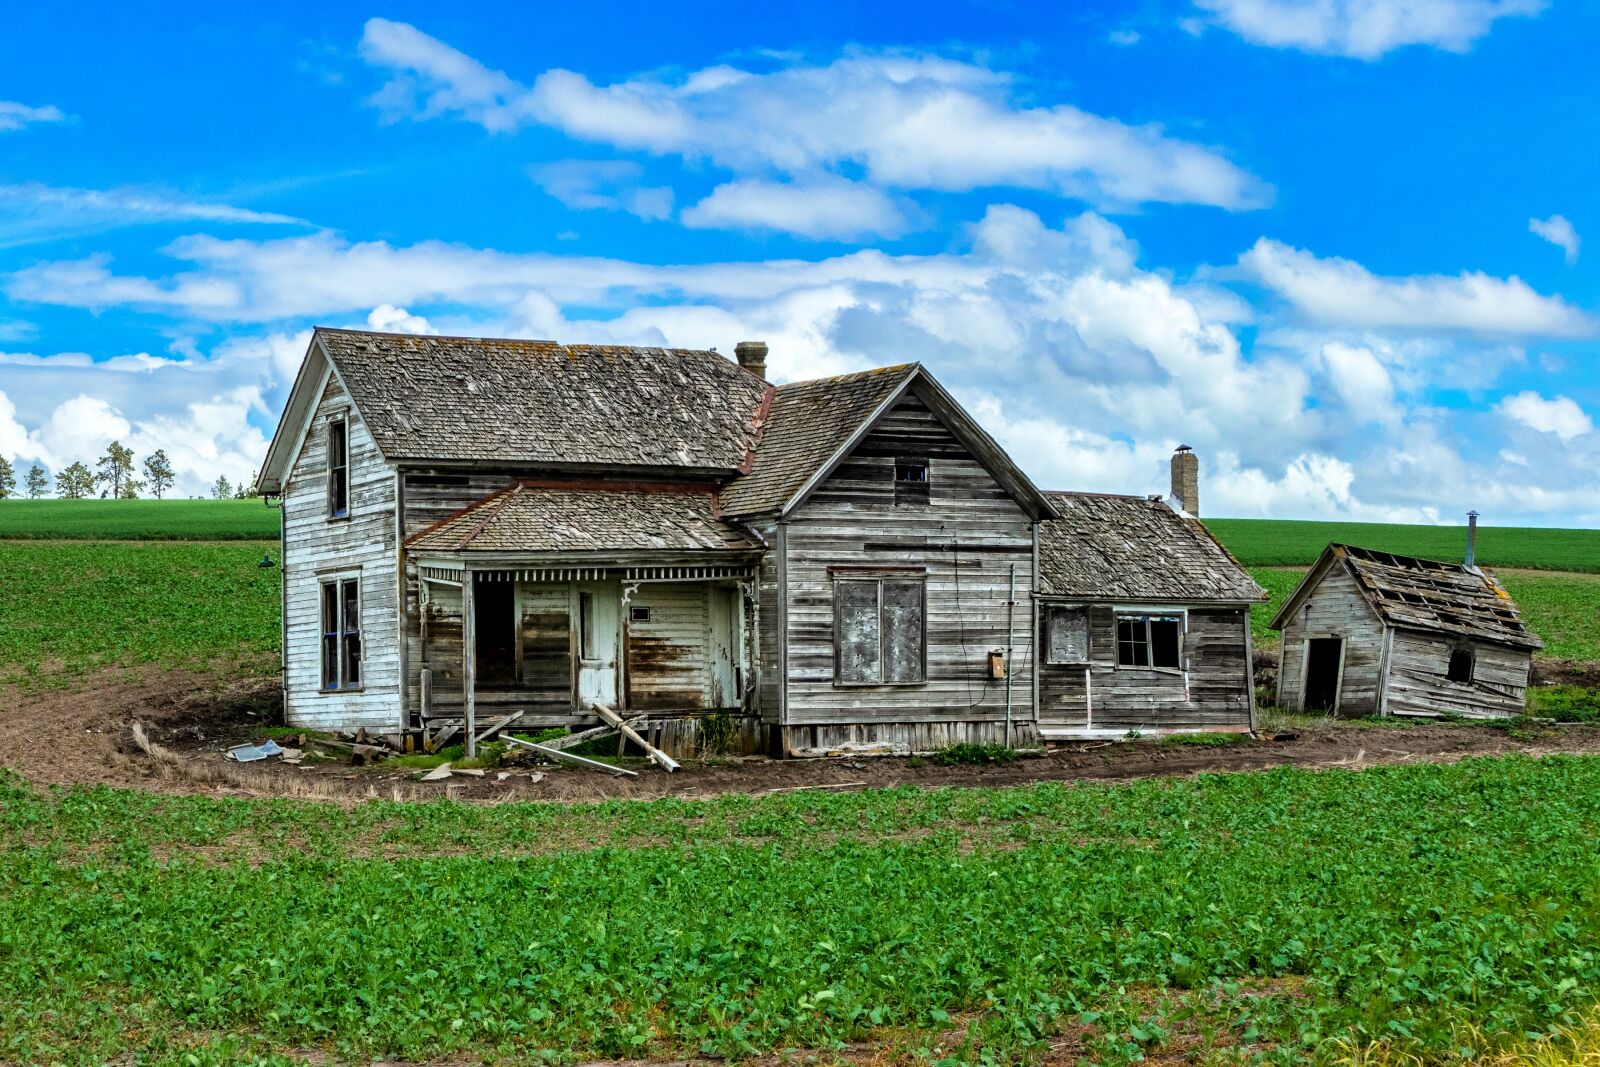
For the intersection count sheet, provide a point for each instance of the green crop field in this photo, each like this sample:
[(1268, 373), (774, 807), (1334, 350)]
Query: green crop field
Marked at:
[(71, 607), (1273, 542), (1285, 911), (1563, 609), (138, 520)]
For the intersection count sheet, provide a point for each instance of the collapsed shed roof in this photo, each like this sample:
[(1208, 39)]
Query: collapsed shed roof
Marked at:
[(1132, 549), (530, 516), (1423, 594)]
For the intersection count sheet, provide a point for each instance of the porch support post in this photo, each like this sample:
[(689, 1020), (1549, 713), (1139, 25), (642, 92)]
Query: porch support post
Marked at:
[(469, 662)]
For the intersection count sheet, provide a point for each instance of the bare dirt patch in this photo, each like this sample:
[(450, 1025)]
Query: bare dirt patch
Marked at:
[(82, 736)]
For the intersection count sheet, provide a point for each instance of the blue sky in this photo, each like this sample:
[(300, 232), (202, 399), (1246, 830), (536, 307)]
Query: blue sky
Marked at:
[(1335, 246)]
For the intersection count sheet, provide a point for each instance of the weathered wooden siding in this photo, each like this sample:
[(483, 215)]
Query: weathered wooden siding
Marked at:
[(1417, 684), (1335, 608), (766, 651), (546, 641), (668, 664), (967, 537), (1212, 693), (434, 495), (315, 546)]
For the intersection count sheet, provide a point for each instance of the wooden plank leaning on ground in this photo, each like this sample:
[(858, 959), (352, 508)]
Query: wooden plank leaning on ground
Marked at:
[(663, 760), (557, 754)]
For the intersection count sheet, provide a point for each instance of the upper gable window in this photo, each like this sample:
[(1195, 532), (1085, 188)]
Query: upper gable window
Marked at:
[(911, 481), (338, 468)]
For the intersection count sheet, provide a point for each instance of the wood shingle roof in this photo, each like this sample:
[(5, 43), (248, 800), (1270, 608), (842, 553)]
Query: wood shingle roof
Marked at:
[(809, 422), (1134, 549), (537, 402), (530, 516)]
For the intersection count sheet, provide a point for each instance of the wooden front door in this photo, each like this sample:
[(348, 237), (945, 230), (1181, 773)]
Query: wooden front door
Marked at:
[(597, 628)]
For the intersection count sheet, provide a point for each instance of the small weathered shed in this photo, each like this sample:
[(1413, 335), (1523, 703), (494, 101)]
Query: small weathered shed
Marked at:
[(1145, 618), (1374, 633)]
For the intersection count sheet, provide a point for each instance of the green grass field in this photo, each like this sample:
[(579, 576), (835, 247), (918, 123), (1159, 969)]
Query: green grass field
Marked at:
[(138, 520), (1283, 911), (1276, 543), (68, 608)]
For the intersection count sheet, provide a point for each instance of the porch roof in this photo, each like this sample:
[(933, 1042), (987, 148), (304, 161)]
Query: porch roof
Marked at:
[(530, 516)]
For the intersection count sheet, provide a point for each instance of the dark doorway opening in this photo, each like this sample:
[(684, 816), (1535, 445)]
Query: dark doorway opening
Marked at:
[(494, 617), (1322, 673)]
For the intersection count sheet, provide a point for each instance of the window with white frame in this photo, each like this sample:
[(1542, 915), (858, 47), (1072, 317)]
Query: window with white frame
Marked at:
[(341, 633), (1150, 641), (879, 629), (338, 467)]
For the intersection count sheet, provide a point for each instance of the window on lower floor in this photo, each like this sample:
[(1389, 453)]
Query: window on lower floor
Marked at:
[(1150, 641), (879, 629), (1066, 635), (341, 633), (1461, 664)]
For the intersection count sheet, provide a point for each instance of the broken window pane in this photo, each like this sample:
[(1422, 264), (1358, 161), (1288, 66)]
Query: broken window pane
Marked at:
[(338, 469), (902, 631), (911, 481), (330, 636), (352, 634), (1166, 641), (856, 622)]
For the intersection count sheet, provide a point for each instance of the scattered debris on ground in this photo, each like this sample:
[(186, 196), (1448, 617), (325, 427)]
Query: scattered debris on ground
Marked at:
[(188, 725)]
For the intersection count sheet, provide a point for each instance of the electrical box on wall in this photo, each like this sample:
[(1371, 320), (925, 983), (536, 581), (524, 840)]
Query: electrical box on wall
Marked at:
[(997, 664)]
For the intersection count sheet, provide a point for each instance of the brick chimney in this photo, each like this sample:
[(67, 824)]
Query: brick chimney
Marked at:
[(1186, 479), (752, 356)]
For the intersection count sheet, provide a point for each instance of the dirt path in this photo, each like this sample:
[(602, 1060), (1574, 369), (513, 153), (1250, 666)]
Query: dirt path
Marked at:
[(82, 736)]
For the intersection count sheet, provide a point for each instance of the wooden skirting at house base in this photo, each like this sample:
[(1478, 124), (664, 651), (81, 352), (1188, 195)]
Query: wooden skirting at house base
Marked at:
[(904, 738)]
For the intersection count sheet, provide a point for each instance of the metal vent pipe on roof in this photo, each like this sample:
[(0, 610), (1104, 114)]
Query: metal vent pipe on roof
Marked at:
[(1472, 539)]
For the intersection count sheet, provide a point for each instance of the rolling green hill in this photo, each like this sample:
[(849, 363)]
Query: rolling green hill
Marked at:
[(1284, 543), (137, 520)]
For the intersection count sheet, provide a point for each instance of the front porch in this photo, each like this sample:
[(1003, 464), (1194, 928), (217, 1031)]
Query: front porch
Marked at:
[(535, 645)]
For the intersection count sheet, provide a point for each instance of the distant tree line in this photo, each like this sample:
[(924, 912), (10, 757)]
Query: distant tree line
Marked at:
[(112, 477)]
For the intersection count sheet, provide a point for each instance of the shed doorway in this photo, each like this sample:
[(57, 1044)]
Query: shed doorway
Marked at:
[(1324, 665)]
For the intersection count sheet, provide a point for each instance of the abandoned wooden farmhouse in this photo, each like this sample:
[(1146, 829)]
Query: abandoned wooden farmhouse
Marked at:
[(509, 531), (1374, 633)]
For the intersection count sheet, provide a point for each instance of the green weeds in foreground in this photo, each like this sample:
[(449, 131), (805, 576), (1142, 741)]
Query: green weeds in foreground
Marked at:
[(1398, 902)]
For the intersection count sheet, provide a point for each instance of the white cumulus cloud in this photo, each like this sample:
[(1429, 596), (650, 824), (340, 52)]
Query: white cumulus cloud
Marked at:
[(823, 208), (1559, 415), (1364, 29), (1342, 292), (1559, 232), (31, 211), (603, 184), (14, 115), (908, 121)]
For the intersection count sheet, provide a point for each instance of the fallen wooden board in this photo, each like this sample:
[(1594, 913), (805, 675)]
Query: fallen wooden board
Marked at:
[(557, 754), (498, 726), (436, 742), (666, 762)]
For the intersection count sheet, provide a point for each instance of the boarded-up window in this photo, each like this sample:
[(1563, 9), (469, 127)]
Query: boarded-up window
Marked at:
[(879, 629), (1150, 641), (341, 634), (338, 468), (1066, 635)]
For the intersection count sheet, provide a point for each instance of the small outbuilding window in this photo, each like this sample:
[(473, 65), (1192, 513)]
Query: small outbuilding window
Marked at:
[(1150, 641), (341, 633), (338, 468), (911, 481), (879, 629), (1066, 634), (1460, 669)]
